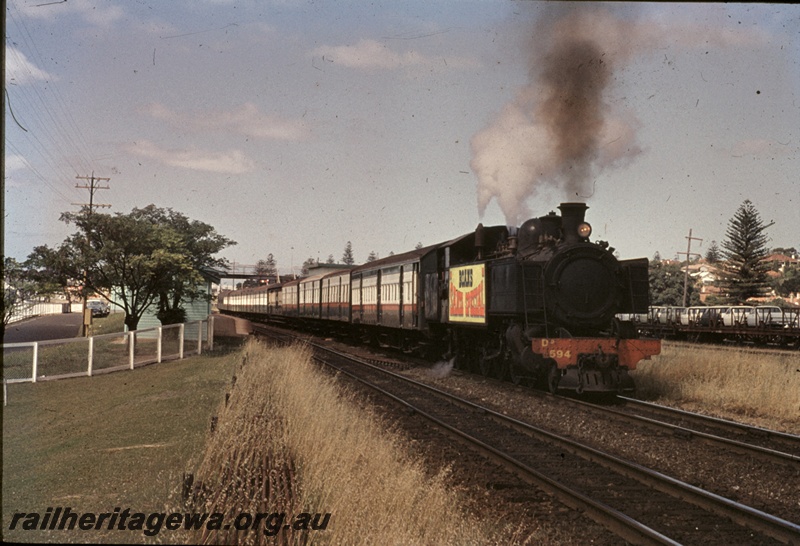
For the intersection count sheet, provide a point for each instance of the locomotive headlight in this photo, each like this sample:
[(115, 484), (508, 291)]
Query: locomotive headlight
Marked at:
[(584, 230)]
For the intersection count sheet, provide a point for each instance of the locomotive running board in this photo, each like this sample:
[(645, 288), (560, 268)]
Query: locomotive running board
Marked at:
[(565, 351)]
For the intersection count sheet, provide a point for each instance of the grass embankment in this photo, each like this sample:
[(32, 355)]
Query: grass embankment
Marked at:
[(97, 443), (292, 440), (289, 440), (738, 384)]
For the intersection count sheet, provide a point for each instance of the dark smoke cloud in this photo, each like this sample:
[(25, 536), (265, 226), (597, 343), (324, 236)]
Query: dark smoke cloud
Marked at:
[(558, 132)]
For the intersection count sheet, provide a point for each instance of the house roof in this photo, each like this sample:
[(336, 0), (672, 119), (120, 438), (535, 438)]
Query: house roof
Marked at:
[(780, 258)]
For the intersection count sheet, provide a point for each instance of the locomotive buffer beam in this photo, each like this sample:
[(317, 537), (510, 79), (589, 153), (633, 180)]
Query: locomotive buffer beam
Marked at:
[(594, 364)]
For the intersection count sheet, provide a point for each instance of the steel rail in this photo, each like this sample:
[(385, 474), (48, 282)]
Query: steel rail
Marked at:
[(775, 527), (731, 425), (616, 521), (688, 433)]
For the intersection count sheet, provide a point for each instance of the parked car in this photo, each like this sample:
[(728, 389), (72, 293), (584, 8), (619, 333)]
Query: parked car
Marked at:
[(740, 315), (99, 308), (771, 315)]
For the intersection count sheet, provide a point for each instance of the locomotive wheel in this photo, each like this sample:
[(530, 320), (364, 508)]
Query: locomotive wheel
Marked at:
[(503, 367), (512, 372), (553, 377)]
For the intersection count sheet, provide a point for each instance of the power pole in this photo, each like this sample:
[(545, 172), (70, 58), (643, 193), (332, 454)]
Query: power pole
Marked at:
[(92, 187), (689, 255)]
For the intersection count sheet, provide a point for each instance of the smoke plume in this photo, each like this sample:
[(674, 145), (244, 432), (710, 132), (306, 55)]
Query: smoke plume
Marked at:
[(558, 132)]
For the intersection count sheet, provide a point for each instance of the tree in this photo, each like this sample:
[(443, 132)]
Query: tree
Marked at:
[(330, 259), (268, 267), (713, 253), (744, 274), (196, 241), (17, 289), (47, 270), (788, 283), (419, 246), (788, 251), (307, 265), (136, 259), (347, 257), (372, 256), (666, 285)]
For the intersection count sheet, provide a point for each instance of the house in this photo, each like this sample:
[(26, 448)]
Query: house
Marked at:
[(196, 310), (780, 261)]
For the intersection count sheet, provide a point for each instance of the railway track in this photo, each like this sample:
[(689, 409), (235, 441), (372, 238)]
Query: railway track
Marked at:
[(728, 347), (747, 439), (769, 445), (638, 504)]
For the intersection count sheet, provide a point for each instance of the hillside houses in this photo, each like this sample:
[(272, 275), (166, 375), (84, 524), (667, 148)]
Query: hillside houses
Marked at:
[(707, 274)]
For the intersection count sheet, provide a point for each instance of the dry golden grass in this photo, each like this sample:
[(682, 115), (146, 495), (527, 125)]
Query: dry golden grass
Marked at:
[(291, 439), (762, 388)]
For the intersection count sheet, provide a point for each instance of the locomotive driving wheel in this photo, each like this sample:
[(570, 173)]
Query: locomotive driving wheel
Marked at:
[(553, 377), (485, 361), (513, 373)]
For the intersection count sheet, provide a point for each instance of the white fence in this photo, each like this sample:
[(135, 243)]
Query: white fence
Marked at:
[(86, 356), (34, 309)]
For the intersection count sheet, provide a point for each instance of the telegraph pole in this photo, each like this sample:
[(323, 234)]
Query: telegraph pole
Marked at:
[(689, 255), (92, 187)]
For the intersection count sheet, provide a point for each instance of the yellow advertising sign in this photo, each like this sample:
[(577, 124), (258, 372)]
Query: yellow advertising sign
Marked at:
[(468, 294)]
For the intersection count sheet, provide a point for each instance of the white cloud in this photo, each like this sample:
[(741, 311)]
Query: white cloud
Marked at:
[(369, 54), (228, 162), (247, 120), (761, 148), (20, 71), (14, 162), (101, 14)]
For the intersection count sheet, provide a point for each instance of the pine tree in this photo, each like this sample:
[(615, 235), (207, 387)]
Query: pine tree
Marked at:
[(744, 273), (267, 268), (347, 257), (712, 254), (307, 265)]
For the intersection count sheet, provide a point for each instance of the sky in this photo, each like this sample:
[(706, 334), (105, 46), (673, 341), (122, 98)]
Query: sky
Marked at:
[(293, 127)]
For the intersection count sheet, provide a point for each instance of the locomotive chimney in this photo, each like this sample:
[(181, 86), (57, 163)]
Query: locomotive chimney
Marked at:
[(479, 242), (572, 215)]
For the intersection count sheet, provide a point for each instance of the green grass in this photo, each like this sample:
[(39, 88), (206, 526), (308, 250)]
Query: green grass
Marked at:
[(117, 440), (108, 325)]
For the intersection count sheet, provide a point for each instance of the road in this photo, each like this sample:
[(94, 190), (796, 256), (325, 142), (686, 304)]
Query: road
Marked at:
[(62, 326)]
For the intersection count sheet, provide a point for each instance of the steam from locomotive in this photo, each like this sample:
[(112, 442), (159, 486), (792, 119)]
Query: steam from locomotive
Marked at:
[(559, 131)]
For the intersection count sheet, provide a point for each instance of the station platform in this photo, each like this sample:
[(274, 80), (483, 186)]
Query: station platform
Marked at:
[(227, 326)]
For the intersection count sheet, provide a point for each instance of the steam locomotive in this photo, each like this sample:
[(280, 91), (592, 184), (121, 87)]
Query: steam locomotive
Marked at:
[(537, 304)]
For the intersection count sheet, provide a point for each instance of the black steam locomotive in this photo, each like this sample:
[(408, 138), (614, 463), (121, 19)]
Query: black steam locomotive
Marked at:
[(535, 305)]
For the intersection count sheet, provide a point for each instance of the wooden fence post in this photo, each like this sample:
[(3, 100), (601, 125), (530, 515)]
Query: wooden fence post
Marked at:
[(91, 356), (158, 344), (199, 337), (180, 340), (35, 361), (131, 346), (210, 334)]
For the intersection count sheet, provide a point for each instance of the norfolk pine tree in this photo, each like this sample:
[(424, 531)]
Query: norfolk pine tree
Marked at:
[(744, 274)]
